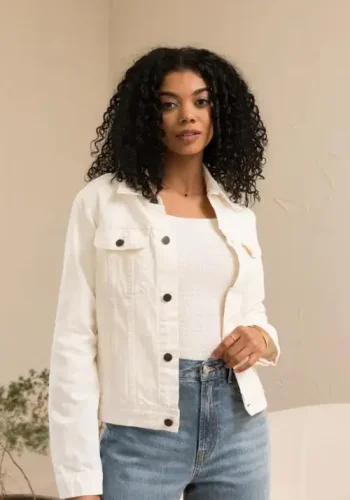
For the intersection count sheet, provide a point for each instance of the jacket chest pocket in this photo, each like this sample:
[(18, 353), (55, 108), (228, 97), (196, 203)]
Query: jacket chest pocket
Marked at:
[(122, 252)]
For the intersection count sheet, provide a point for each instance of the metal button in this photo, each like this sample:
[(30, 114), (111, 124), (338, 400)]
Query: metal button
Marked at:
[(168, 422), (167, 297), (166, 240), (168, 356), (119, 243), (208, 369)]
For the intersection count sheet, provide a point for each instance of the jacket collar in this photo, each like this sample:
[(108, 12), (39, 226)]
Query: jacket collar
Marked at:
[(213, 188)]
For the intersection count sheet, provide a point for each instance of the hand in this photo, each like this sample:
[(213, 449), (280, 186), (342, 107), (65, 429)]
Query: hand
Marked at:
[(243, 347)]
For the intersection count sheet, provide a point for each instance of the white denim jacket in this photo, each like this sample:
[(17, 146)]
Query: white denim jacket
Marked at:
[(115, 349)]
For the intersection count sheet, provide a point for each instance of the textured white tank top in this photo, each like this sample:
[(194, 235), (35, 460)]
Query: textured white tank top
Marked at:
[(206, 268)]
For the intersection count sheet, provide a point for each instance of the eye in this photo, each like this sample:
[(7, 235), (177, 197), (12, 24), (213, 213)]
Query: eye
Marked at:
[(203, 102), (168, 105)]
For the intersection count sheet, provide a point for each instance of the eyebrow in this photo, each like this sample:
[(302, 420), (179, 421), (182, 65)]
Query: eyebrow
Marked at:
[(172, 94)]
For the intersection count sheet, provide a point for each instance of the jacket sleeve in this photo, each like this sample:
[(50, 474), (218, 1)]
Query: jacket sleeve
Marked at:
[(254, 311), (74, 384)]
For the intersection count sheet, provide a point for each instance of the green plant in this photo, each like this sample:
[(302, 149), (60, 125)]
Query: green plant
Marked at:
[(23, 421)]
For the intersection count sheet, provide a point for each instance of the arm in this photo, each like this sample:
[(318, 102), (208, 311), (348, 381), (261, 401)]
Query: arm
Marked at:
[(253, 308), (74, 385)]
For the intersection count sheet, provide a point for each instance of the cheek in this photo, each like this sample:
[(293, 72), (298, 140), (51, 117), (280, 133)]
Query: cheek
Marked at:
[(209, 123), (168, 123), (210, 132)]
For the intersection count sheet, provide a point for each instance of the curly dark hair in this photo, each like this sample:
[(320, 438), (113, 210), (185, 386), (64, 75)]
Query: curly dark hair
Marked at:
[(130, 144)]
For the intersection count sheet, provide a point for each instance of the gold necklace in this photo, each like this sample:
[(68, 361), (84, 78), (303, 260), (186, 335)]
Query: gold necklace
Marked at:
[(186, 194)]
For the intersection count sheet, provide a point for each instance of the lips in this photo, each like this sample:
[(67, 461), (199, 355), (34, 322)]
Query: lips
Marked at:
[(188, 133)]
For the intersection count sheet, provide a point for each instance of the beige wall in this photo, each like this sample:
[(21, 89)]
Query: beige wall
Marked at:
[(61, 60), (295, 55), (53, 90)]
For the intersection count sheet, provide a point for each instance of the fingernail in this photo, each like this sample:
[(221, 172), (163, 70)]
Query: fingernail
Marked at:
[(213, 356)]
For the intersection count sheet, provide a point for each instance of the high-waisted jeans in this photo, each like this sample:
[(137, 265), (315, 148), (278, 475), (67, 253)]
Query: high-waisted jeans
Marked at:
[(219, 453)]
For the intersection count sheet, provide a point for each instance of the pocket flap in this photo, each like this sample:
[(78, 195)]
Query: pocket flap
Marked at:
[(120, 238), (252, 249)]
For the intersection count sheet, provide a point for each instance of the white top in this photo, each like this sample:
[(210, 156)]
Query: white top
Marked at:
[(206, 271)]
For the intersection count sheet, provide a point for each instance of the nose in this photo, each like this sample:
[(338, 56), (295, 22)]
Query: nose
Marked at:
[(186, 114)]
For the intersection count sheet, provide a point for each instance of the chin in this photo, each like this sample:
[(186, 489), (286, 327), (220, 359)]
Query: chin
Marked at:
[(188, 153), (187, 150)]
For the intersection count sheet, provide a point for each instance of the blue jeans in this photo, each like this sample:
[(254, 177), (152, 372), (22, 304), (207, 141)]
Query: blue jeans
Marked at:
[(220, 451)]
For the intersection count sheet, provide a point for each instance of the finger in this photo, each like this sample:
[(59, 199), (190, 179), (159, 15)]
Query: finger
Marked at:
[(225, 344), (238, 365), (246, 340), (253, 358), (238, 358), (234, 349)]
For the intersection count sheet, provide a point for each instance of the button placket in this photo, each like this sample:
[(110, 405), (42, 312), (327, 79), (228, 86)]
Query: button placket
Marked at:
[(167, 286)]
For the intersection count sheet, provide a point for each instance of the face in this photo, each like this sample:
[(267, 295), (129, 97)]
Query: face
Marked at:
[(186, 106)]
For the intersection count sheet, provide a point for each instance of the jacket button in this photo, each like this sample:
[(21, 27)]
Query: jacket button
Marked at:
[(119, 243), (166, 240), (167, 297), (168, 356), (168, 422)]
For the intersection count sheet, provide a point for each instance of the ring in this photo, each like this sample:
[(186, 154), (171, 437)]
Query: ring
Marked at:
[(241, 363)]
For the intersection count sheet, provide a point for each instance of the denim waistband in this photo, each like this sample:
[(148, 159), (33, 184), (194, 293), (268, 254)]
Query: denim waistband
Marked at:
[(201, 370)]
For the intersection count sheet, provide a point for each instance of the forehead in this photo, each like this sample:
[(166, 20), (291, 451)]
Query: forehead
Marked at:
[(182, 82)]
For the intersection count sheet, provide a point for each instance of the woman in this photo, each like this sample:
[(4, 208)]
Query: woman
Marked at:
[(160, 321)]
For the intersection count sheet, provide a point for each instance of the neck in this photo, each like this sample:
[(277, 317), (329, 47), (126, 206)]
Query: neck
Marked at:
[(184, 173)]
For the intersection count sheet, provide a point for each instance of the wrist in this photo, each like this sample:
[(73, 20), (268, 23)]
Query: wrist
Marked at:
[(264, 334)]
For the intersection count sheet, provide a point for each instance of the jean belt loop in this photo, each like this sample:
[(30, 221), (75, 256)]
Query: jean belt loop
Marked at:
[(230, 375)]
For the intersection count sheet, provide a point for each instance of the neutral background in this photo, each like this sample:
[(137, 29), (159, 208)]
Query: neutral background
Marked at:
[(61, 61)]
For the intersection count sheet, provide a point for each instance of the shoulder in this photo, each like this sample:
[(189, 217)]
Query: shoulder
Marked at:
[(250, 217), (102, 186), (248, 225), (92, 197), (250, 231), (245, 214), (246, 220), (96, 192)]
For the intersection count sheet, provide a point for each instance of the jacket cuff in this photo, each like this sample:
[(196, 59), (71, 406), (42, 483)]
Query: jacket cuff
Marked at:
[(275, 347), (270, 362), (80, 484)]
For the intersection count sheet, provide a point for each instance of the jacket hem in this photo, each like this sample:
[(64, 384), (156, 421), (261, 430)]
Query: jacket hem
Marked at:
[(80, 484), (143, 418)]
